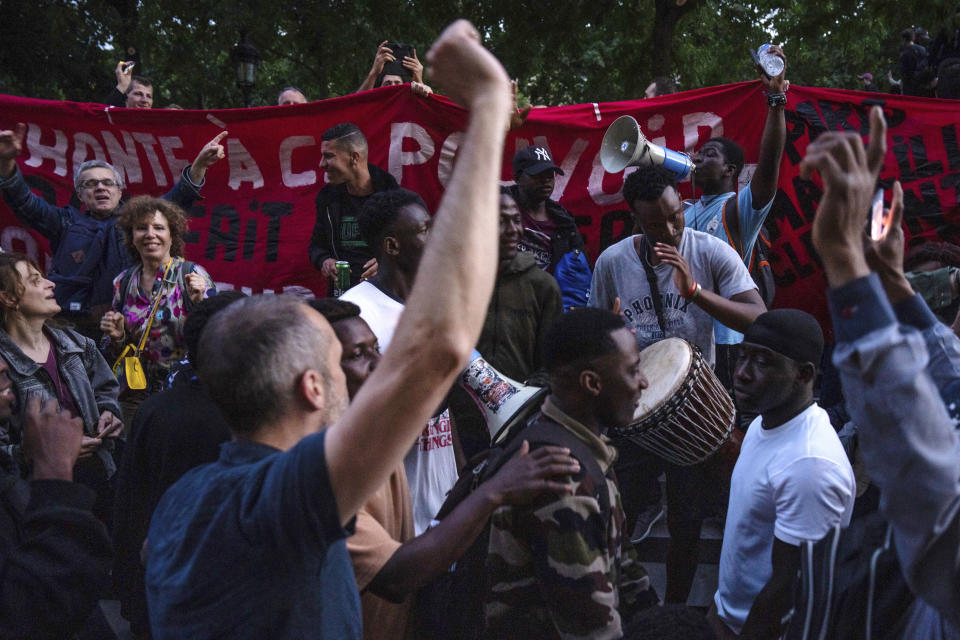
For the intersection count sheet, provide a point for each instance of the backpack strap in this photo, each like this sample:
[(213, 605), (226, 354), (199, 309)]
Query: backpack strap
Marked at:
[(125, 282), (732, 228), (185, 267)]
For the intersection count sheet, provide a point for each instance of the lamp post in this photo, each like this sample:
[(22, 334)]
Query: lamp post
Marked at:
[(246, 57)]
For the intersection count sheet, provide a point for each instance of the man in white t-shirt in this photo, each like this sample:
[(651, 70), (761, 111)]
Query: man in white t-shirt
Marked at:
[(695, 278), (395, 224), (792, 482)]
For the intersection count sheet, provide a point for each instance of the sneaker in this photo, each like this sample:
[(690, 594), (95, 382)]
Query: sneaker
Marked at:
[(645, 521)]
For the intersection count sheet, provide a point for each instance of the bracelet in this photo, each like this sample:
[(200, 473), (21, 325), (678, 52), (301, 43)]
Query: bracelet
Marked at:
[(776, 99), (694, 291)]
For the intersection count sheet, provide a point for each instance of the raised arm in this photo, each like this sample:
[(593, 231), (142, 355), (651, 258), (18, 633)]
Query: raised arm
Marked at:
[(30, 209), (909, 443), (763, 186), (11, 144), (384, 55), (446, 308)]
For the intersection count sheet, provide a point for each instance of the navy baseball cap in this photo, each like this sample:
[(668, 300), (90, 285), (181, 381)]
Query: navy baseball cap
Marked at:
[(533, 161)]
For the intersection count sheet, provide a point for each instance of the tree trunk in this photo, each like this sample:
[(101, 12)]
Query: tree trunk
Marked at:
[(668, 13)]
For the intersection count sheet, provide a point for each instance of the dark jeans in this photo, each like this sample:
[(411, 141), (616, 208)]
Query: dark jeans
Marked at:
[(693, 492)]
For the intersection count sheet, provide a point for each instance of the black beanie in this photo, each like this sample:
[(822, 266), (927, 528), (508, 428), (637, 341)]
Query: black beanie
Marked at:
[(790, 332)]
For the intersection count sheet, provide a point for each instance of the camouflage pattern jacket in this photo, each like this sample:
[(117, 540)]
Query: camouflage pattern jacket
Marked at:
[(560, 567)]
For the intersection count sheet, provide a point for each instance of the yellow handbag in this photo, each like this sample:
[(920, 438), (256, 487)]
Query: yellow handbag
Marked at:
[(127, 368)]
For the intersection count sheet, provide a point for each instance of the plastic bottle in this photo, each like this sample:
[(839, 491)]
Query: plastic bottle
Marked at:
[(772, 65)]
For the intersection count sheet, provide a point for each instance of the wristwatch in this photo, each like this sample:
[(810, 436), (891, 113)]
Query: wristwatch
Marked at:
[(776, 99)]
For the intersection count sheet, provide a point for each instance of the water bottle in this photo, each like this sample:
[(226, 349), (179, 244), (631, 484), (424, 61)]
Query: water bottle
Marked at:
[(772, 65)]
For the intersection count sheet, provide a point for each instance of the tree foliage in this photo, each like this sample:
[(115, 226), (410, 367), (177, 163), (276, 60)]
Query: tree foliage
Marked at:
[(561, 52)]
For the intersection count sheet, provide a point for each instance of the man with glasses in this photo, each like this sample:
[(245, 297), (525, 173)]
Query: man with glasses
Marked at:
[(88, 250)]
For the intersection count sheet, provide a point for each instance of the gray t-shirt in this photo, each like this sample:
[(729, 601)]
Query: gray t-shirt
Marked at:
[(620, 273)]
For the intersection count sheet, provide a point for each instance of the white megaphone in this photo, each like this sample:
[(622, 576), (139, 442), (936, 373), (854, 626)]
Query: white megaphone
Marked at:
[(624, 145), (503, 401)]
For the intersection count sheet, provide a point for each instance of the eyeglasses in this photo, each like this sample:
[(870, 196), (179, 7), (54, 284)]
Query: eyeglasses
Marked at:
[(93, 182)]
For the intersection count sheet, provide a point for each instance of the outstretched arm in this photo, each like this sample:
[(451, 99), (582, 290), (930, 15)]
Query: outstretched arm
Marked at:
[(209, 154), (446, 308), (763, 186), (11, 144), (909, 443), (424, 558)]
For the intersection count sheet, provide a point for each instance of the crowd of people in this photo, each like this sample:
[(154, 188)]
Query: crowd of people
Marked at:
[(928, 67), (268, 466)]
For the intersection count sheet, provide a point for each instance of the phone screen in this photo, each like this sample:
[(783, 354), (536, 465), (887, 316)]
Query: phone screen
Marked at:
[(878, 225)]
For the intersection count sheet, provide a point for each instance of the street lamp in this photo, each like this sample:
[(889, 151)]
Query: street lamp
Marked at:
[(246, 57)]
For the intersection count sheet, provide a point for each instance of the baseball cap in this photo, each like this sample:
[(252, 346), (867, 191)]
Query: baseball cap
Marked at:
[(866, 76), (533, 161)]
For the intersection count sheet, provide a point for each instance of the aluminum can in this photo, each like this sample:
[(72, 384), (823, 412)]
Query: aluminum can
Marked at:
[(342, 282)]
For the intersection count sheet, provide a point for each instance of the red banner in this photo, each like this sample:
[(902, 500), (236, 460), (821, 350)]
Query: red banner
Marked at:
[(252, 227)]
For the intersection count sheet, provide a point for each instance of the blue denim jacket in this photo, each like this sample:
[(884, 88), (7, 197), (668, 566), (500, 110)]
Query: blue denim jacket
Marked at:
[(83, 371), (909, 442), (251, 546), (87, 253)]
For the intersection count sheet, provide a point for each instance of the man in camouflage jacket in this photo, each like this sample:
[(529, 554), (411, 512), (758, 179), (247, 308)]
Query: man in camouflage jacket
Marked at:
[(560, 567)]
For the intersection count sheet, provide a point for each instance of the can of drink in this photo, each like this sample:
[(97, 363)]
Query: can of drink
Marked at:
[(772, 65), (342, 282)]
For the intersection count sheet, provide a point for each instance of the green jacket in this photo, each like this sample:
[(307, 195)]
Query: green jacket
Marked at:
[(525, 302)]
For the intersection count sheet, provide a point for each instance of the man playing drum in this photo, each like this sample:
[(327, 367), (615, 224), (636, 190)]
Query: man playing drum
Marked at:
[(671, 282), (792, 481)]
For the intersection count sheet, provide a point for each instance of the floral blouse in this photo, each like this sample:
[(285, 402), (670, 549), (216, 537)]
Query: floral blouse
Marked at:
[(165, 343)]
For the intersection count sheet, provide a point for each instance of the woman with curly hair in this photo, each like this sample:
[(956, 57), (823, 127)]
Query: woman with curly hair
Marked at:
[(160, 279)]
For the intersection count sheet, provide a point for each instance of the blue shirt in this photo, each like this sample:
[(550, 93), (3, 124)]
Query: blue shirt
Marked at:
[(706, 214), (251, 546)]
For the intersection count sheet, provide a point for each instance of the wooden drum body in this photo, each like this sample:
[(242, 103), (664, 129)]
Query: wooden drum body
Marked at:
[(685, 415)]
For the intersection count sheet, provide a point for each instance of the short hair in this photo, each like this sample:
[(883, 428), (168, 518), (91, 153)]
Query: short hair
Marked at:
[(334, 310), (579, 337), (347, 136), (380, 212), (198, 318), (142, 80), (10, 280), (732, 153), (405, 76), (95, 164), (908, 35), (141, 207), (291, 88), (945, 253), (648, 183), (253, 354)]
